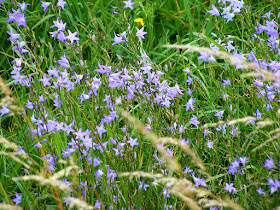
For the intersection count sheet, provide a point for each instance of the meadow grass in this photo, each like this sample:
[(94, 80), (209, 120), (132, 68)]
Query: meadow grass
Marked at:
[(153, 105)]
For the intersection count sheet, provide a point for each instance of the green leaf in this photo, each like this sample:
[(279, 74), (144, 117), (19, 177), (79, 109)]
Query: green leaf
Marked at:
[(43, 20)]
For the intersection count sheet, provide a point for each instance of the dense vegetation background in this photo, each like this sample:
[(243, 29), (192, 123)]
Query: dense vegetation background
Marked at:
[(76, 76)]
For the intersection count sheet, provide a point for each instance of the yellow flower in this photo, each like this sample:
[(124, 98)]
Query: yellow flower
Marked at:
[(139, 20)]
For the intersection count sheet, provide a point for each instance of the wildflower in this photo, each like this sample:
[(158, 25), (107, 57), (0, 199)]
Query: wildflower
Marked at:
[(13, 37), (19, 47), (227, 15), (199, 181), (98, 173), (188, 171), (181, 129), (61, 37), (189, 104), (45, 5), (186, 70), (139, 21), (97, 204), (101, 129), (226, 82), (243, 160), (260, 191), (275, 184), (61, 3), (64, 62), (18, 198), (133, 142), (189, 91), (18, 17), (29, 104), (50, 159), (267, 15), (128, 4), (230, 188), (219, 114), (194, 121), (185, 141), (119, 150), (118, 40), (210, 144), (165, 193), (59, 25), (214, 11), (4, 111), (189, 80), (68, 152), (142, 185), (140, 33), (269, 163), (234, 167), (205, 132), (45, 80), (72, 37), (23, 6), (205, 57)]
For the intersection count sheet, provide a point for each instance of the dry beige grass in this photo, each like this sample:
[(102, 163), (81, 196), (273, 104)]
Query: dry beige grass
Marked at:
[(232, 60), (80, 204), (4, 206), (194, 197), (8, 99)]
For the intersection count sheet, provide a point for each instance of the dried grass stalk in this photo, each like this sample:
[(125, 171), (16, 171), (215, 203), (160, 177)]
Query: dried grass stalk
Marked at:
[(191, 203), (4, 206), (80, 204), (222, 203), (7, 144), (188, 150), (232, 59), (231, 122), (13, 156), (172, 163), (266, 142), (264, 123), (4, 88), (65, 172), (44, 181)]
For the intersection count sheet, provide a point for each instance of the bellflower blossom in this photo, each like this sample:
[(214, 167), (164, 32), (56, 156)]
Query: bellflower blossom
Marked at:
[(18, 198), (61, 4), (64, 62), (275, 184), (13, 37), (269, 163), (4, 111), (194, 121), (230, 188), (45, 5), (199, 181), (140, 33), (23, 6), (72, 37), (214, 11), (119, 38), (206, 57), (133, 142), (18, 17), (210, 144), (128, 4), (260, 191), (142, 185), (189, 104)]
